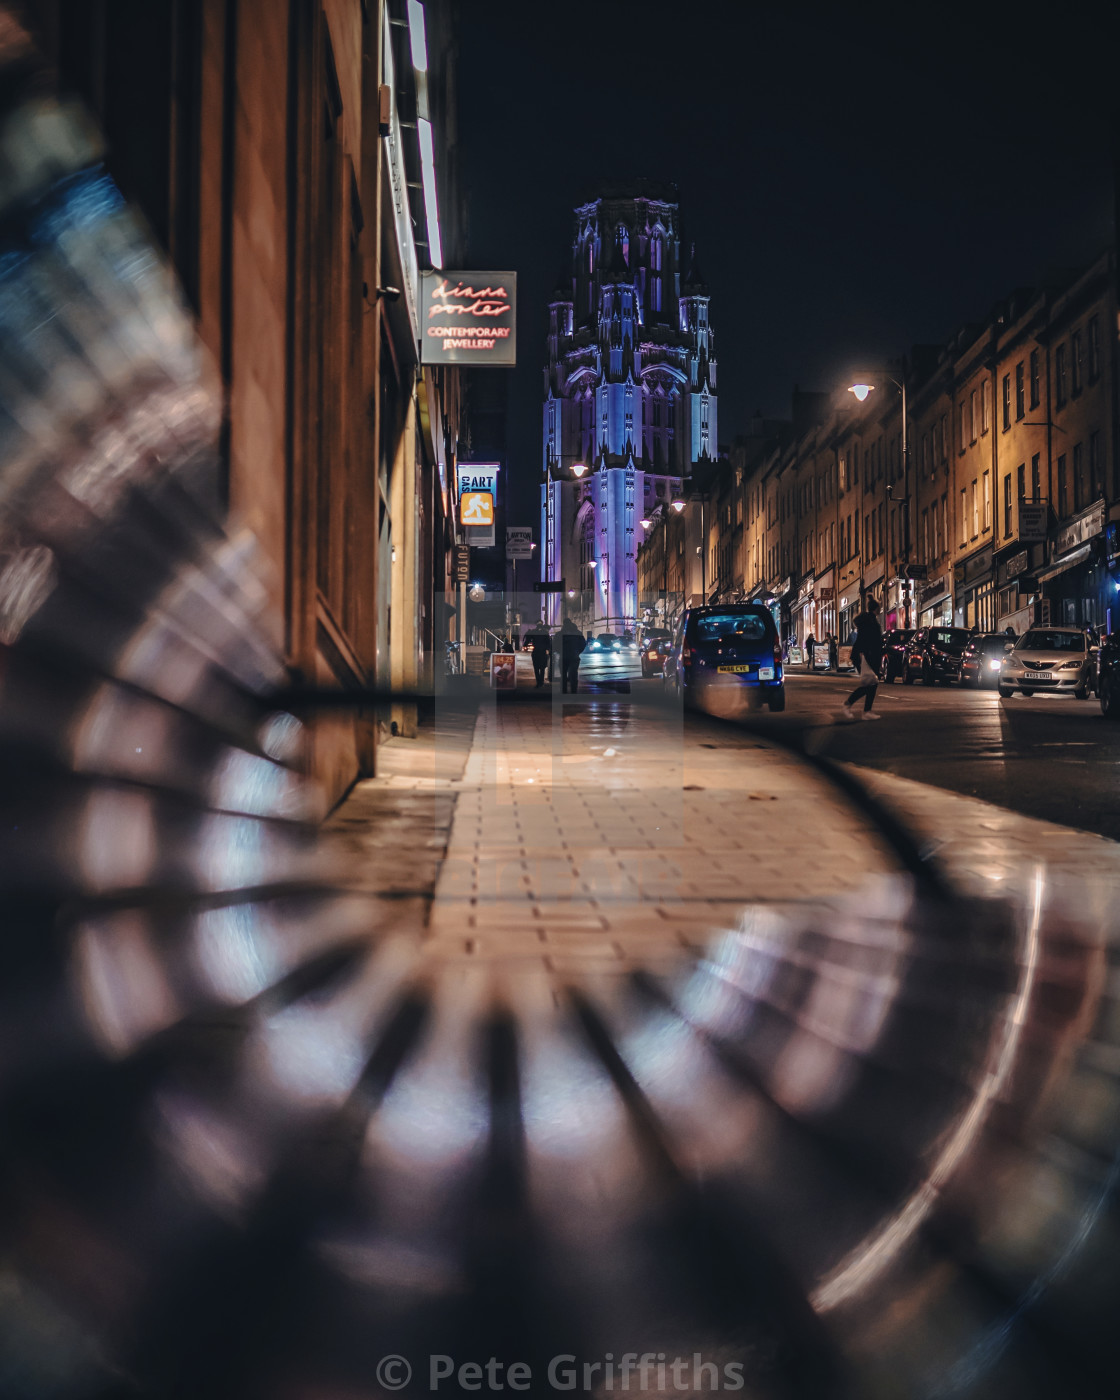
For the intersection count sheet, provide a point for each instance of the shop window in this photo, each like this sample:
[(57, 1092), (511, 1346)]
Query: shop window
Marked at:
[(1008, 600)]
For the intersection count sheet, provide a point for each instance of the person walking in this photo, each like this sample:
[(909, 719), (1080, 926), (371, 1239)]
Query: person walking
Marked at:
[(867, 654), (541, 646), (571, 649), (810, 647), (833, 652)]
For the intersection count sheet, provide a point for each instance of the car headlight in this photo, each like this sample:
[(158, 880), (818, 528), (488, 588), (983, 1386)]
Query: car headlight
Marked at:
[(1071, 666), (994, 664)]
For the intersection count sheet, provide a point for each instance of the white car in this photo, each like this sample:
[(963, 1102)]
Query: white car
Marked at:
[(1048, 661)]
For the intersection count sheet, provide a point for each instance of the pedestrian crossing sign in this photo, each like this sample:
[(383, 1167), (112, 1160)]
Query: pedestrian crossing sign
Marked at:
[(476, 508)]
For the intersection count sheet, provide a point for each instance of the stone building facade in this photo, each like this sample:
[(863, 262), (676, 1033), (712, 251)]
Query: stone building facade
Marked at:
[(1003, 511), (272, 145)]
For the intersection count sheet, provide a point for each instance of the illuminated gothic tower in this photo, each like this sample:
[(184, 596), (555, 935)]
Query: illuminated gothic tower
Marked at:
[(630, 393)]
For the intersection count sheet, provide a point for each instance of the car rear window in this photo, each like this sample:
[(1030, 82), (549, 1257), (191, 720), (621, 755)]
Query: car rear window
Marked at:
[(948, 636), (731, 627), (1040, 640)]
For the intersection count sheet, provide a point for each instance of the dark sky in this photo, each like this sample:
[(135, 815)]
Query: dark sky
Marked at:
[(856, 178)]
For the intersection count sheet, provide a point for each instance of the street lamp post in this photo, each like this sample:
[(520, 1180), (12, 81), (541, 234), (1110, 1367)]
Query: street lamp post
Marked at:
[(861, 388)]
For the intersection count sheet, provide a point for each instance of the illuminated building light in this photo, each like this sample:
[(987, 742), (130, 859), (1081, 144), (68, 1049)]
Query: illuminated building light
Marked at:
[(431, 205), (417, 36), (861, 391)]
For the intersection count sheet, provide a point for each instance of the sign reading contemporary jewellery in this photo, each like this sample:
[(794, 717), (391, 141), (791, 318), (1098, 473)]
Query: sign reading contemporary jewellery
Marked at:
[(476, 486), (468, 318)]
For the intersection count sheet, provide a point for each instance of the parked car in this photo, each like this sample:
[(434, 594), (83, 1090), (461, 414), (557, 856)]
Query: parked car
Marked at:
[(983, 658), (1048, 660), (729, 648), (934, 654), (895, 643), (654, 648), (1108, 676)]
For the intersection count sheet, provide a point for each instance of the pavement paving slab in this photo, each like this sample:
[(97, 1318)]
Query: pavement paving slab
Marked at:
[(569, 835)]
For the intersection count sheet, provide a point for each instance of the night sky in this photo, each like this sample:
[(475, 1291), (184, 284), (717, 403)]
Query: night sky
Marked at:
[(854, 181)]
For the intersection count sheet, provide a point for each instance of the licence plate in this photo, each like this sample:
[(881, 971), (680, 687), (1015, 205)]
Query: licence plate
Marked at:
[(738, 670), (1036, 675)]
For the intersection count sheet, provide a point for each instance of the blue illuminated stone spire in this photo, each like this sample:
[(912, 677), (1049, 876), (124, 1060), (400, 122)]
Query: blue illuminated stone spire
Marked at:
[(630, 392)]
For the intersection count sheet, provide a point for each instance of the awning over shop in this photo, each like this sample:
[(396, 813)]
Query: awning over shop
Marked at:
[(1069, 561)]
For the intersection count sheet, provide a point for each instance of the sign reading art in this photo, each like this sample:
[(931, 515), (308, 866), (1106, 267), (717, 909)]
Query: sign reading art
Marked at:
[(476, 486), (468, 318)]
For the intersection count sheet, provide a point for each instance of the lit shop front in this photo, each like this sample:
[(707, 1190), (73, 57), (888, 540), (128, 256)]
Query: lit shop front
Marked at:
[(1075, 579), (935, 602)]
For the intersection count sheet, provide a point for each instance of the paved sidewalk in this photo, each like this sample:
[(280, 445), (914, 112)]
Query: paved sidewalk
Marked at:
[(589, 834)]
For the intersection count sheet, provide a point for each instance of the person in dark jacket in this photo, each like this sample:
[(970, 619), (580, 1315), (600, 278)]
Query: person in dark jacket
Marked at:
[(571, 649), (867, 654), (541, 646)]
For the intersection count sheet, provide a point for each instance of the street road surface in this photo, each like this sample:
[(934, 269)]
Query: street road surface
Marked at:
[(1055, 758)]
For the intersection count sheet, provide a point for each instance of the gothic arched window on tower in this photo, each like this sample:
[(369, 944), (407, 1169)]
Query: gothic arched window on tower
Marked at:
[(655, 257), (622, 238)]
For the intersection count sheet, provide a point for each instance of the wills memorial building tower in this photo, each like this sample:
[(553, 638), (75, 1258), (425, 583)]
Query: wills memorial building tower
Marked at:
[(629, 397)]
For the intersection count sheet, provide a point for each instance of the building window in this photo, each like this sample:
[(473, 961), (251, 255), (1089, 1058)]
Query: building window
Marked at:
[(1036, 478), (975, 501), (1006, 402), (985, 406), (1080, 485), (925, 536), (1063, 488), (1007, 505), (963, 426), (1077, 363), (964, 516), (972, 425), (1096, 481), (1020, 392), (1060, 375), (1094, 350), (1022, 481), (987, 500), (1036, 379)]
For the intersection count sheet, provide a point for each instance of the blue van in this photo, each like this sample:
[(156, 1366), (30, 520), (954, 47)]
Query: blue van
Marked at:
[(733, 646)]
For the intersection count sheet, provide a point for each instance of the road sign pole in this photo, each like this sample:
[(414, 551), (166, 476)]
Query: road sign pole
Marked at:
[(462, 629)]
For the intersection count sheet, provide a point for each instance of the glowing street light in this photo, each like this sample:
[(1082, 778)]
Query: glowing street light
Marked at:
[(678, 505), (861, 391), (578, 469), (593, 563), (646, 523)]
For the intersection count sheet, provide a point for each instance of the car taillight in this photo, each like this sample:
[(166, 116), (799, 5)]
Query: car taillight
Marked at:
[(686, 655), (777, 653)]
